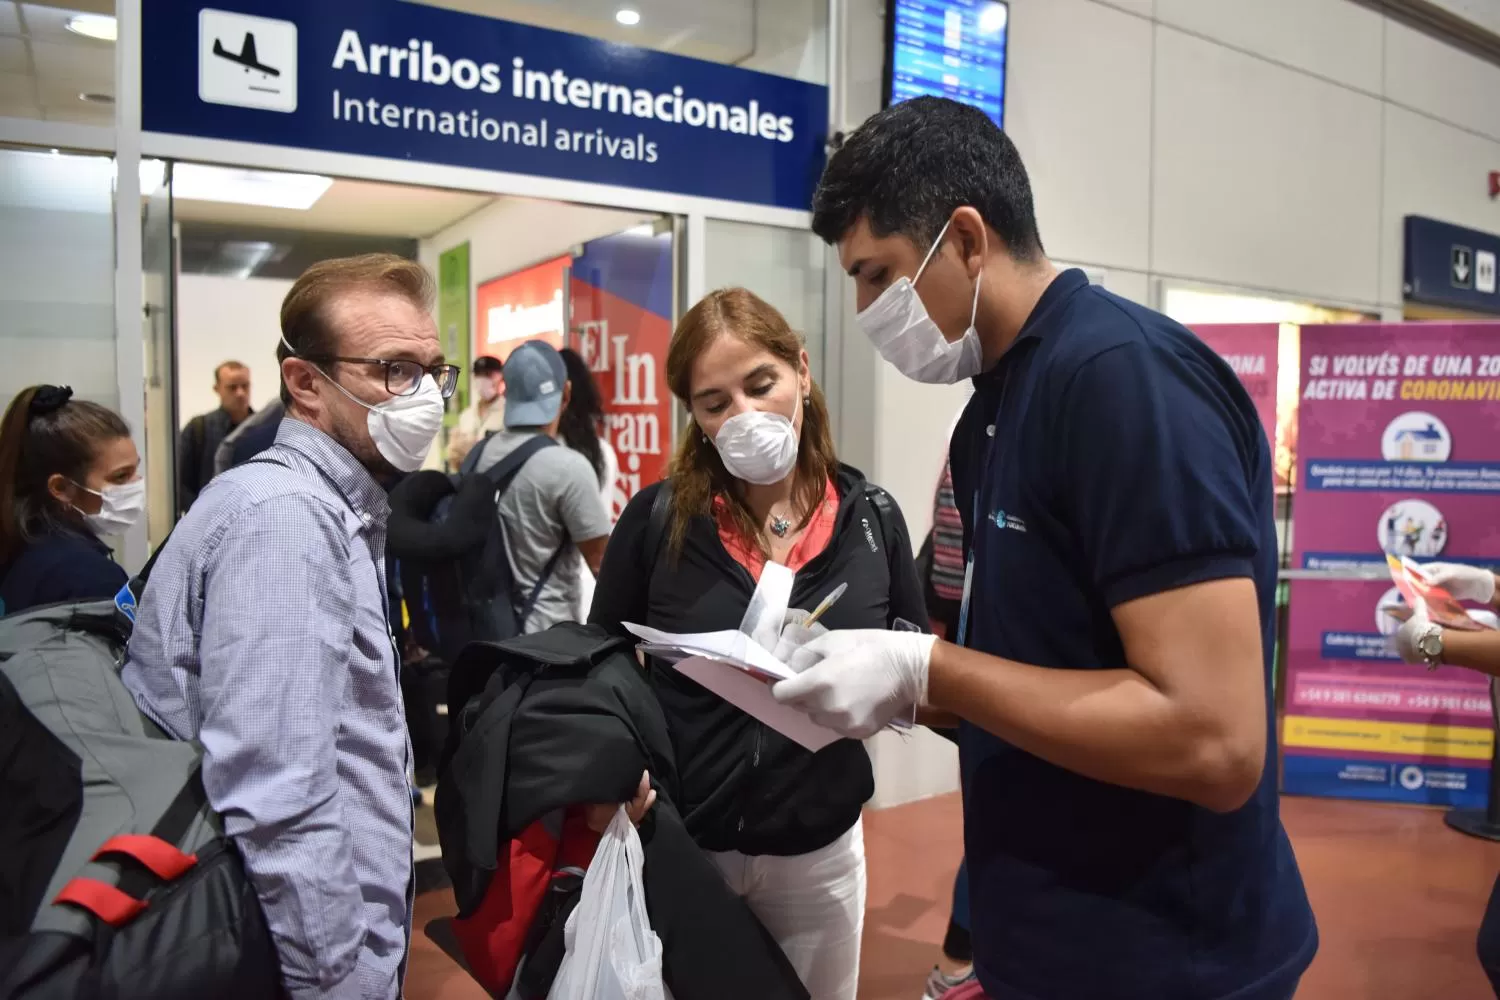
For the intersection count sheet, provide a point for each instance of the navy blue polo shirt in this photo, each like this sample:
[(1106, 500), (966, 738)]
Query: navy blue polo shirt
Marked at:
[(1125, 460)]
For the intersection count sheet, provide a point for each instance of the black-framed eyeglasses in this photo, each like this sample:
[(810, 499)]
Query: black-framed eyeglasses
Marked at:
[(402, 378)]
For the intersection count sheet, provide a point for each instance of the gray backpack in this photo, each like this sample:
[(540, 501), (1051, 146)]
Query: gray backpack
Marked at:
[(116, 879)]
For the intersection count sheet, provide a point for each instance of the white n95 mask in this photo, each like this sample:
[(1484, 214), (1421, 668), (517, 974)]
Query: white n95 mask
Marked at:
[(758, 447), (120, 510), (898, 325), (403, 427)]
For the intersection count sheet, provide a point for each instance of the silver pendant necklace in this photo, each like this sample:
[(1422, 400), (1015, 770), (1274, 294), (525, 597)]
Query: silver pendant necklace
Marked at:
[(780, 526)]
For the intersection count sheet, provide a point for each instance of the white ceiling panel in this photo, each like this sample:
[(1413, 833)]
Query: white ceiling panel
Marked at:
[(76, 66), (16, 86), (356, 207), (13, 57), (79, 113), (18, 106), (721, 30), (73, 6)]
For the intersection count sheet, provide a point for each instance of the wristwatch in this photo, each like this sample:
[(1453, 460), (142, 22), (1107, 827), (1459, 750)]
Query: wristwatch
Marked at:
[(1430, 645)]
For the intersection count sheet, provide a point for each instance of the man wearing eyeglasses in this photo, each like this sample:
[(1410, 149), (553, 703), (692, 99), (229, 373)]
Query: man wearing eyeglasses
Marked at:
[(265, 630)]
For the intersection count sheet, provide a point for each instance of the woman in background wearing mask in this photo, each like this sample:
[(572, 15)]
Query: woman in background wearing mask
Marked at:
[(484, 416), (68, 476), (756, 480)]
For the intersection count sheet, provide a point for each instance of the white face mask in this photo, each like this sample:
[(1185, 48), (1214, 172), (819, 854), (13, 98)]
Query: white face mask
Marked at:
[(758, 447), (120, 510), (898, 325), (404, 427), (488, 390)]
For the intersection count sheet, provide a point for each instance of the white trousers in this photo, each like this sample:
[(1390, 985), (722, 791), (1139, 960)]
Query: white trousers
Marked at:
[(813, 905)]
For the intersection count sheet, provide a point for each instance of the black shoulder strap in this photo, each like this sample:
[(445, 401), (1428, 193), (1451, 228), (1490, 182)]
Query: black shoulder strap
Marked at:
[(884, 507), (502, 472), (656, 526), (472, 458)]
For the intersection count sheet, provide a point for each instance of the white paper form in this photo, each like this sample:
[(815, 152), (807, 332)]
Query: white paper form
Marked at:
[(738, 666)]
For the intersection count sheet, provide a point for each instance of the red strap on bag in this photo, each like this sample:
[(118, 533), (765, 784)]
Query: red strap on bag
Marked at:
[(104, 901), (164, 860)]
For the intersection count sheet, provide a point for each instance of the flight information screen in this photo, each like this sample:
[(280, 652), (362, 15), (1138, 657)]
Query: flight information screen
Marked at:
[(950, 48)]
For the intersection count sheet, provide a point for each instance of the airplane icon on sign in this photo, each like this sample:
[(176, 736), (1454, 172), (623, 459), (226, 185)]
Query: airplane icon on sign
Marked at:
[(246, 56)]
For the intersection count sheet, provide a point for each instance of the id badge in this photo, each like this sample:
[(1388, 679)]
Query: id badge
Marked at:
[(963, 609)]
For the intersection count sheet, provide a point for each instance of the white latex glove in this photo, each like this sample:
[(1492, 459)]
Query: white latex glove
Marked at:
[(1467, 583), (855, 681), (795, 635), (1405, 639)]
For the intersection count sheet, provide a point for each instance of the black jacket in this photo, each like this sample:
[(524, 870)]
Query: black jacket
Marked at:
[(565, 717), (62, 565), (742, 785)]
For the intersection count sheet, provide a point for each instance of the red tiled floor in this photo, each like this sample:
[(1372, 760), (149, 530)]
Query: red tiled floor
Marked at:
[(1398, 897)]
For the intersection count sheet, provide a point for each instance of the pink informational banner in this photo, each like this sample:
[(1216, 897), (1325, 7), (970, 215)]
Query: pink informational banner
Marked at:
[(1253, 350), (1399, 441)]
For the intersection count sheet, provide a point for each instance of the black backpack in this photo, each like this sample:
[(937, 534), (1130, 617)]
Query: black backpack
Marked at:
[(452, 559), (116, 879)]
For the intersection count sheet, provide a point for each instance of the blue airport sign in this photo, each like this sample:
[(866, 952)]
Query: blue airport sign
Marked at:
[(411, 82), (1448, 265)]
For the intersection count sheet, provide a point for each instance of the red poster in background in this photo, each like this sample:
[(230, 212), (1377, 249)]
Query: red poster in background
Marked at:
[(521, 306), (1252, 350), (622, 324)]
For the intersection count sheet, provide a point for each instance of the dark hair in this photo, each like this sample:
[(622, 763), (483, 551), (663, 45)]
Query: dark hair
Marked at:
[(487, 365), (909, 167), (46, 432), (233, 366), (698, 473), (304, 312), (584, 414)]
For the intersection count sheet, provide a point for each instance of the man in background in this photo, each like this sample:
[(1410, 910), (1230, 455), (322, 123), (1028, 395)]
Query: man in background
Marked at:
[(202, 435), (553, 504), (484, 416), (250, 438)]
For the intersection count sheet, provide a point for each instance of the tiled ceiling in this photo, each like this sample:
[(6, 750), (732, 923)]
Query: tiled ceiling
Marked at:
[(355, 207), (718, 30), (44, 67)]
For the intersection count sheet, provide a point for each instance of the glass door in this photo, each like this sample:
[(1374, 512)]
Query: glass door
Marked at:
[(159, 285)]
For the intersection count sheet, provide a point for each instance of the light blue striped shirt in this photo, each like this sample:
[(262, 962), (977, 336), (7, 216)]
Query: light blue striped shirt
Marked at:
[(263, 633)]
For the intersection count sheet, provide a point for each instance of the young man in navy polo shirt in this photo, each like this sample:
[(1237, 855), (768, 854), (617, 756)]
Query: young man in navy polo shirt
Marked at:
[(1117, 740)]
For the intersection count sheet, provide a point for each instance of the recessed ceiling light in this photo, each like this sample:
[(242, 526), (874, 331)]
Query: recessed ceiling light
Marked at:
[(236, 186), (993, 18), (100, 26), (92, 98), (628, 16)]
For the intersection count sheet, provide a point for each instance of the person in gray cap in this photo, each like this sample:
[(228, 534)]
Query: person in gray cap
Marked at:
[(553, 504)]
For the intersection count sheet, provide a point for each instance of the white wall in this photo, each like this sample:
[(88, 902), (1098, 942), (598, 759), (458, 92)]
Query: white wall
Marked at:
[(222, 319), (1267, 145)]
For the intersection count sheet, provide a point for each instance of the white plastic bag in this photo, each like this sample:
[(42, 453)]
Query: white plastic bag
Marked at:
[(612, 952)]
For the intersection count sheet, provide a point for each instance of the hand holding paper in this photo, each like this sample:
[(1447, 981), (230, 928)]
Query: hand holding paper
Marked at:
[(1410, 633), (1465, 583), (795, 634), (858, 681), (1424, 587)]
